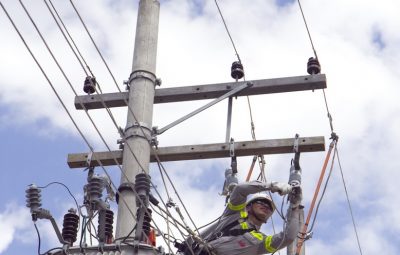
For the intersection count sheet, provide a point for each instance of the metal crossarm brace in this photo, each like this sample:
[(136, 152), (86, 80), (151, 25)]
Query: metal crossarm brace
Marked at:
[(206, 151), (229, 94), (210, 91)]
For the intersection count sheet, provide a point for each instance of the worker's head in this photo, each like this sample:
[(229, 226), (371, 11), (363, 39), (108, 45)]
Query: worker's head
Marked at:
[(260, 206)]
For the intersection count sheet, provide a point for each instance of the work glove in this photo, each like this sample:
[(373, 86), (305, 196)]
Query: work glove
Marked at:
[(281, 188), (295, 196)]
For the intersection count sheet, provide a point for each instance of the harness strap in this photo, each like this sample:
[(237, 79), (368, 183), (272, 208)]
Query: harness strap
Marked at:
[(238, 232)]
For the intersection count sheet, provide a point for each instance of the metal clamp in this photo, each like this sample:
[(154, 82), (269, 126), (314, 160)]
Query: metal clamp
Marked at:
[(145, 75), (296, 160), (296, 143), (132, 131), (89, 158), (126, 186), (141, 125), (233, 156), (232, 148)]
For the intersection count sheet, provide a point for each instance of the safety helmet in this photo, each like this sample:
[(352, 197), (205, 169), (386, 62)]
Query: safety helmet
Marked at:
[(260, 196)]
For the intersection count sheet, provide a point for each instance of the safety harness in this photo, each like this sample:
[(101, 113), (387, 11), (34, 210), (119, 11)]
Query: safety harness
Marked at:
[(231, 230)]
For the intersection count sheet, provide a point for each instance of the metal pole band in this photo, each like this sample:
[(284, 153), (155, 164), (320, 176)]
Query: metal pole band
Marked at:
[(142, 74), (141, 125), (136, 130), (126, 186)]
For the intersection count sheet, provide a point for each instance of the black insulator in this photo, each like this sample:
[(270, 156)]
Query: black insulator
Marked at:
[(89, 86), (146, 220), (70, 227), (33, 197), (142, 188), (105, 228), (237, 70), (313, 66), (95, 187)]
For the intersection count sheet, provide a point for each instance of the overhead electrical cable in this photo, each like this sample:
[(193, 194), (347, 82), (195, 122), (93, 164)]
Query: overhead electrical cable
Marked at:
[(117, 87), (260, 158), (303, 230), (97, 48), (102, 101), (63, 33), (227, 30), (167, 212), (81, 103), (348, 202), (104, 61), (69, 191), (332, 130), (178, 196), (323, 190), (61, 69), (69, 35), (308, 30), (62, 103), (253, 135), (37, 230), (94, 43)]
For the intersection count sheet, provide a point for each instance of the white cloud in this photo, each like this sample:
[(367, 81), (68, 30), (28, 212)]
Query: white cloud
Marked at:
[(194, 49), (12, 220)]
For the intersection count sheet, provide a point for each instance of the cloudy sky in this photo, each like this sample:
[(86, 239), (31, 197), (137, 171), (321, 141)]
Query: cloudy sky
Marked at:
[(358, 45)]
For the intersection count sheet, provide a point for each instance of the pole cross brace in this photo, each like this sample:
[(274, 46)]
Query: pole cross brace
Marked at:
[(229, 94)]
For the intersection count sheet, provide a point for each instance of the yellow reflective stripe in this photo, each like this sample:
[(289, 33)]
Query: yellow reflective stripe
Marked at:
[(257, 235), (244, 225), (236, 207), (243, 214), (268, 246)]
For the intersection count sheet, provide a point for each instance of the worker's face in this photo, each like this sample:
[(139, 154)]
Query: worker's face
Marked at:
[(262, 210)]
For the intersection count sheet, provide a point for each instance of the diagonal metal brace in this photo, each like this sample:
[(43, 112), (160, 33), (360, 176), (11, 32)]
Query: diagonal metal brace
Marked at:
[(229, 94)]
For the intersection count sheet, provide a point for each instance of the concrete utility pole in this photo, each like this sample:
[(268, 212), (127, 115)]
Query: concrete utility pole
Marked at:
[(137, 154), (141, 96)]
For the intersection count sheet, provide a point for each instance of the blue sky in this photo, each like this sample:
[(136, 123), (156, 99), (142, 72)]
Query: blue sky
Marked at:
[(357, 43)]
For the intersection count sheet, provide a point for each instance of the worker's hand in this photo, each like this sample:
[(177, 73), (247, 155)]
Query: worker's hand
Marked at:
[(295, 196), (281, 188)]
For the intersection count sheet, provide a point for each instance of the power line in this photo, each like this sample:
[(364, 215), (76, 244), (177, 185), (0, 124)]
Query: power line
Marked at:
[(95, 45), (80, 102), (331, 127), (261, 160), (62, 31), (108, 108), (308, 30), (69, 191), (348, 201), (227, 30), (61, 101), (111, 116), (159, 162), (324, 189), (131, 111)]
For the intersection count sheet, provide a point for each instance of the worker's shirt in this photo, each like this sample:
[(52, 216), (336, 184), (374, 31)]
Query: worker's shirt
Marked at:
[(252, 242)]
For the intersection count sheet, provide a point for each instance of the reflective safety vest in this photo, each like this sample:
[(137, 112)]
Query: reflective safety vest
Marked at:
[(233, 230)]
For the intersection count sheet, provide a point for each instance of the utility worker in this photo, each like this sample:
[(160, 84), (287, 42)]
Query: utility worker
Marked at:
[(238, 229)]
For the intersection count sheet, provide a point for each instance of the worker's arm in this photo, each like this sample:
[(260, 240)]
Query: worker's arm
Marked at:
[(291, 228), (237, 201)]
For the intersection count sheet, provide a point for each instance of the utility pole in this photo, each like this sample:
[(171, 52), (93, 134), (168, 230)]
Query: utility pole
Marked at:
[(137, 152), (141, 96)]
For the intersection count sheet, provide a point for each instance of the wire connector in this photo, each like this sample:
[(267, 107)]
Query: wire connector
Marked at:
[(334, 137)]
